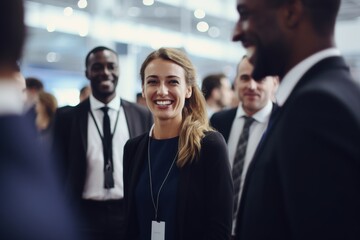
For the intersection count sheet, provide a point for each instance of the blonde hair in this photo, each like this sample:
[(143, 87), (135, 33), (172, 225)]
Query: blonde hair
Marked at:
[(195, 120), (49, 102)]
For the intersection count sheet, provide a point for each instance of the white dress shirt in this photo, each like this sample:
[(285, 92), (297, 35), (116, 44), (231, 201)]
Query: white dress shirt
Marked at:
[(290, 80), (257, 129), (11, 98), (94, 184)]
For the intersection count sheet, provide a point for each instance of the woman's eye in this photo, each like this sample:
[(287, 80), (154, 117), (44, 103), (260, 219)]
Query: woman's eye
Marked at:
[(174, 82), (151, 82)]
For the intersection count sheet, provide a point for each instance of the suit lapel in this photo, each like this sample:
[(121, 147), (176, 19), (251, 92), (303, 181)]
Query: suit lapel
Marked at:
[(128, 117), (182, 194), (228, 123), (84, 109), (140, 155)]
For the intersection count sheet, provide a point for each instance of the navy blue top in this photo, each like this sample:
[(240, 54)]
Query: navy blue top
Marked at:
[(162, 154)]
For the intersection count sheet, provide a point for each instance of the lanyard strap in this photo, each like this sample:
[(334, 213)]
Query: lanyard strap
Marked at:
[(108, 161), (156, 205)]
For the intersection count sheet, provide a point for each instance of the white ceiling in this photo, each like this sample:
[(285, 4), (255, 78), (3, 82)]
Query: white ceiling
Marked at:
[(73, 48)]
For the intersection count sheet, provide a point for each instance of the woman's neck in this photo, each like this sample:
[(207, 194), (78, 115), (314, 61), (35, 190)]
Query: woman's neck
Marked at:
[(165, 130)]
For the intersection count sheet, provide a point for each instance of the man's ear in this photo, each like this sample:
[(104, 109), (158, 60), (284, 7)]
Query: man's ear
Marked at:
[(215, 93), (86, 74), (293, 13)]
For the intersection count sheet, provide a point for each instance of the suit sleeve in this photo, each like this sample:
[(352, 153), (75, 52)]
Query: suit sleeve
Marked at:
[(219, 187), (319, 166)]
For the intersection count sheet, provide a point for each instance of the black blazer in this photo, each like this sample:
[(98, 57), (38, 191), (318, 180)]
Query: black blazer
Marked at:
[(32, 204), (205, 191), (71, 140), (304, 180), (223, 120)]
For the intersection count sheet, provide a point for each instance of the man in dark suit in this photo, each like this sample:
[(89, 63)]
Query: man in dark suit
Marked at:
[(32, 206), (256, 105), (303, 182), (91, 161)]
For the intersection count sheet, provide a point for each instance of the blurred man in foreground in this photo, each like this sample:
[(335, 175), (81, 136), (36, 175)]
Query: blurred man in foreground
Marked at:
[(303, 182)]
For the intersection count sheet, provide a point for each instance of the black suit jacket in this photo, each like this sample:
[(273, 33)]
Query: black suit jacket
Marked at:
[(205, 191), (71, 140), (223, 120), (32, 204), (304, 180)]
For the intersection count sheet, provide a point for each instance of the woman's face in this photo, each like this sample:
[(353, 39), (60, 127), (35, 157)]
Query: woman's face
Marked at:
[(165, 90)]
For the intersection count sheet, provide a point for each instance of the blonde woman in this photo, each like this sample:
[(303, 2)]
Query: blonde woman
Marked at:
[(177, 181), (45, 108)]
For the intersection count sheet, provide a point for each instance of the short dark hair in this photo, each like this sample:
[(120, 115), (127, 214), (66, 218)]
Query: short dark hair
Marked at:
[(12, 29), (34, 83), (210, 83), (321, 12), (95, 50)]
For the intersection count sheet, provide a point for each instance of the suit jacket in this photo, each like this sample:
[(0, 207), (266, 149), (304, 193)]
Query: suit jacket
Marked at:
[(204, 194), (223, 120), (71, 139), (304, 180), (32, 204)]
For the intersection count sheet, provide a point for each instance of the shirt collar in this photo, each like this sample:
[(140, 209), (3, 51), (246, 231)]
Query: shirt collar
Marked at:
[(11, 98), (260, 116), (96, 104), (290, 80)]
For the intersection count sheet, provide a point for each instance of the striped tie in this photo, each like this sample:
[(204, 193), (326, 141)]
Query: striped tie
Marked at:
[(239, 160)]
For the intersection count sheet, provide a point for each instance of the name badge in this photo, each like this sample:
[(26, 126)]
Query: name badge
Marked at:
[(157, 230)]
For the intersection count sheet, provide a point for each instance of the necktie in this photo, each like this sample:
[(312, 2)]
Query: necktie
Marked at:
[(107, 150), (239, 160)]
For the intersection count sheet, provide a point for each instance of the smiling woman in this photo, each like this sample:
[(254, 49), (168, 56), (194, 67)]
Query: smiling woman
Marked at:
[(190, 195)]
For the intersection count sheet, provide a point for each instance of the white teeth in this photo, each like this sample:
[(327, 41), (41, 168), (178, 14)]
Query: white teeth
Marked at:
[(163, 103)]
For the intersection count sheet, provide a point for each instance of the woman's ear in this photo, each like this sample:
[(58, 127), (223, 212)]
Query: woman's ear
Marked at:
[(188, 92)]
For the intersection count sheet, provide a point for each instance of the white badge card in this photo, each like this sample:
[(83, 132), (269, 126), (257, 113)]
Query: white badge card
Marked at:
[(157, 230)]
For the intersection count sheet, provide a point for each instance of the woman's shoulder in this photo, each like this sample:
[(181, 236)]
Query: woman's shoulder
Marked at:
[(212, 137), (137, 140)]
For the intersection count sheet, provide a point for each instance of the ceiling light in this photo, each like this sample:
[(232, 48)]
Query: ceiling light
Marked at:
[(199, 13), (82, 4), (83, 32), (52, 57), (202, 26), (50, 27), (148, 2), (68, 11)]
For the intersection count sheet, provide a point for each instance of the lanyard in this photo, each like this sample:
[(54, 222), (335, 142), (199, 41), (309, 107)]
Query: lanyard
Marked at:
[(108, 163), (156, 205)]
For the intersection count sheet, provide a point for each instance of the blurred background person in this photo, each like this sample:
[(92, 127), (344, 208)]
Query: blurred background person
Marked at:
[(32, 205), (217, 92), (140, 99), (304, 183), (33, 87), (244, 125), (190, 195), (46, 106), (85, 92)]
